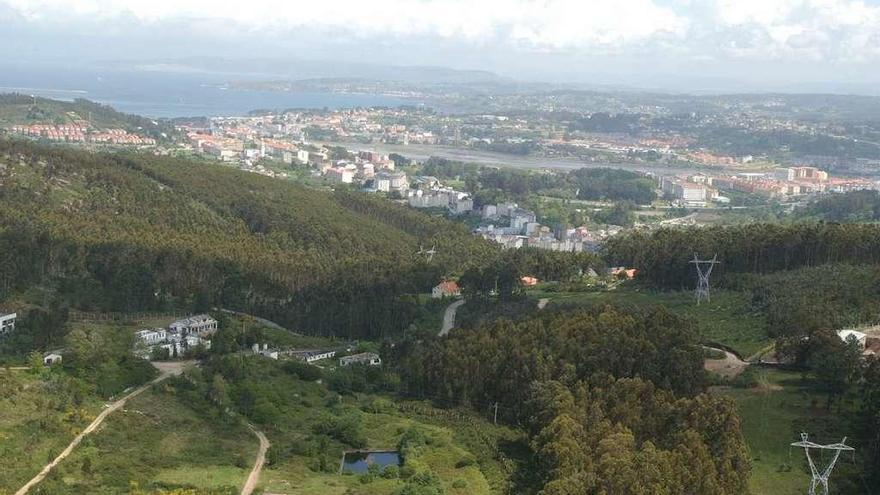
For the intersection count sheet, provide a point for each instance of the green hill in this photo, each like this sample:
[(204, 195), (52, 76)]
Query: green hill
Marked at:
[(127, 232), (18, 109)]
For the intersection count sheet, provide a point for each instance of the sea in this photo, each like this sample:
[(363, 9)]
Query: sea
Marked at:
[(168, 93)]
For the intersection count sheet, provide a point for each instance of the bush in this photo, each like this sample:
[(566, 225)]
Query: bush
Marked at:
[(391, 472), (459, 484), (406, 472), (465, 462), (747, 379), (345, 428), (303, 371)]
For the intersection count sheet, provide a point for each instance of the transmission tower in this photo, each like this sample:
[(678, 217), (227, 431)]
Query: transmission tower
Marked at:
[(819, 483), (704, 269), (429, 254)]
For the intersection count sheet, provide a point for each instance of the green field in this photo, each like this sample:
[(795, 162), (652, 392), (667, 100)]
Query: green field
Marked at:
[(773, 415), (157, 441), (39, 416), (727, 319)]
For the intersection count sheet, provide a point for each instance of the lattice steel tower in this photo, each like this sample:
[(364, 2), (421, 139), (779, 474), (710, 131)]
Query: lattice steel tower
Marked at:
[(819, 483), (704, 269)]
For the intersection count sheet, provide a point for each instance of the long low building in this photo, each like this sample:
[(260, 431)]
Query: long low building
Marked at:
[(367, 358)]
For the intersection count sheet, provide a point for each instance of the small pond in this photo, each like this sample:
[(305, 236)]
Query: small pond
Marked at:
[(359, 462)]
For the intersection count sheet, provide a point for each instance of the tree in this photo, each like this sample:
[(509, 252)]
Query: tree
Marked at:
[(836, 366)]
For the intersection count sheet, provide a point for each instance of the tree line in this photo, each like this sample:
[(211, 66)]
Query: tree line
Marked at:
[(663, 256)]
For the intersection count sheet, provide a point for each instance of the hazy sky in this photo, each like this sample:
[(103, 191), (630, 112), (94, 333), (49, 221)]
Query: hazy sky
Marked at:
[(694, 44)]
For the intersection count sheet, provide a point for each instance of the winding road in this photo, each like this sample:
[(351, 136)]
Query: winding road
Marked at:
[(449, 317), (167, 369), (254, 477)]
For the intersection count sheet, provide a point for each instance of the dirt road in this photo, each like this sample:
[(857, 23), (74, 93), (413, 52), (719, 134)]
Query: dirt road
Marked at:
[(728, 367), (449, 317), (254, 477), (167, 369)]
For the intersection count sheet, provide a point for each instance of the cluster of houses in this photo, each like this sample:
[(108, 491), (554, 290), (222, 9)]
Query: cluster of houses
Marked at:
[(180, 337), (523, 230), (699, 189), (80, 132), (428, 192)]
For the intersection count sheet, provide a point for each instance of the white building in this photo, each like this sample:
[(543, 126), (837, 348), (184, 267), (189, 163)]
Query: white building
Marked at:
[(7, 322), (391, 181), (848, 336), (460, 205), (51, 358), (313, 355), (368, 358), (151, 337), (202, 325), (302, 156), (341, 174), (265, 351)]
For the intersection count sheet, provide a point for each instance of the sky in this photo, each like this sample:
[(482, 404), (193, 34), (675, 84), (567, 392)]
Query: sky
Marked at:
[(687, 45)]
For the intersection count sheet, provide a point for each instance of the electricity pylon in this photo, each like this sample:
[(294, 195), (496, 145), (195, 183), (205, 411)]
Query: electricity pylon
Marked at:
[(704, 269), (429, 254), (820, 479)]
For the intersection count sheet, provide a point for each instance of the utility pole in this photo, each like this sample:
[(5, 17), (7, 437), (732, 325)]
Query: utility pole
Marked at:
[(495, 418)]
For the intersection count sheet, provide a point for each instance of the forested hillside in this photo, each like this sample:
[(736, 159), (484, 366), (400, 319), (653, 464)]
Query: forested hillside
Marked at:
[(129, 232), (611, 399)]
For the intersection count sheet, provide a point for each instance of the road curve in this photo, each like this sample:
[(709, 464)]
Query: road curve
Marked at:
[(94, 425), (449, 317), (730, 366), (254, 477)]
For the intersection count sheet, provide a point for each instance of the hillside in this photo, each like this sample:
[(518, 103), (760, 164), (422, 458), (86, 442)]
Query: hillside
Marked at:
[(19, 109), (125, 232)]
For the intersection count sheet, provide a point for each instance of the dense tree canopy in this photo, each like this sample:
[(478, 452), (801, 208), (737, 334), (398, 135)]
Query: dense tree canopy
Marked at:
[(611, 399)]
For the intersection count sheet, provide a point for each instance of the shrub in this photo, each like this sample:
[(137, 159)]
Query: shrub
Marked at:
[(406, 472)]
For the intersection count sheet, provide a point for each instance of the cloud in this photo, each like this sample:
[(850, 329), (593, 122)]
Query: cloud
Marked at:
[(801, 30)]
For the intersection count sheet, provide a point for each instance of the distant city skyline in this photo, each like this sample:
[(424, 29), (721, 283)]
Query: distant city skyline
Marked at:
[(672, 45)]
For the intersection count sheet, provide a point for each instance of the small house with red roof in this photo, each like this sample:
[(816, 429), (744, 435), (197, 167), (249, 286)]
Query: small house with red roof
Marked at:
[(446, 288)]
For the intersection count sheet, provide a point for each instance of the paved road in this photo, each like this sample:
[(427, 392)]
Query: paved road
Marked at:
[(254, 477), (449, 317), (167, 369)]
